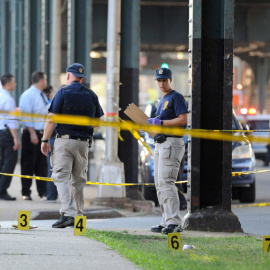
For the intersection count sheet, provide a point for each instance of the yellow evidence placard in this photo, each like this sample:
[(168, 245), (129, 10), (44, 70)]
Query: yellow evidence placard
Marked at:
[(174, 241), (266, 243), (24, 220), (79, 225)]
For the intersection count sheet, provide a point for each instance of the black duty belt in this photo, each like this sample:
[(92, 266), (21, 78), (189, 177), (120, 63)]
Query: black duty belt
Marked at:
[(162, 138), (69, 137)]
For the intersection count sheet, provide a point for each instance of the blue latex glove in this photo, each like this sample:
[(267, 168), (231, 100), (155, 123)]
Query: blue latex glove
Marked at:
[(154, 121)]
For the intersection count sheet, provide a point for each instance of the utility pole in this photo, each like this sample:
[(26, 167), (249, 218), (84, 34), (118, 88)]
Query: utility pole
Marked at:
[(112, 170), (210, 104), (56, 44)]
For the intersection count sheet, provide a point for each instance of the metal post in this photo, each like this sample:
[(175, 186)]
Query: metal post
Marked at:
[(88, 39), (42, 35), (262, 77), (112, 170), (56, 44), (26, 47), (3, 30), (12, 32), (19, 70), (35, 16), (210, 78), (71, 32)]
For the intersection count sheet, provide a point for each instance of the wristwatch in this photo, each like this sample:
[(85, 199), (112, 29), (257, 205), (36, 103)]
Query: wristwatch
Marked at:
[(45, 141)]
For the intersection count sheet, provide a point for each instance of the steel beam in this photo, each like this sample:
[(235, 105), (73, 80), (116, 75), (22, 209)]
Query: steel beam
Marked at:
[(71, 32), (129, 88), (3, 30), (211, 80), (26, 45), (83, 42), (56, 45), (35, 17)]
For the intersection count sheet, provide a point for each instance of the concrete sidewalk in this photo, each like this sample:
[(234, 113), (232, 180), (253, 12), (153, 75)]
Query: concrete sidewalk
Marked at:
[(48, 248), (56, 249)]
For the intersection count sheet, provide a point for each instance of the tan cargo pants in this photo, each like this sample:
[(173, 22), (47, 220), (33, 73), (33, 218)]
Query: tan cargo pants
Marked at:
[(69, 161), (167, 159)]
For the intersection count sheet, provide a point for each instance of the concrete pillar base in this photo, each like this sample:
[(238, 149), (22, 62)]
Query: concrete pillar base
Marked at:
[(212, 220), (112, 172)]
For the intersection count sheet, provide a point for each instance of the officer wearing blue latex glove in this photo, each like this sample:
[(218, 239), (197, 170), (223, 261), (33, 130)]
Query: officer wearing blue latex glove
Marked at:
[(169, 151)]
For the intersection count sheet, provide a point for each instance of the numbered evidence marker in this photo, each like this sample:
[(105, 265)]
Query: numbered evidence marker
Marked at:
[(266, 243), (174, 241), (80, 225), (24, 220)]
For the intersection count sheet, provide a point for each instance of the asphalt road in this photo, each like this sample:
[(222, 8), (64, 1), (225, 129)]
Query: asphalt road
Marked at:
[(256, 220)]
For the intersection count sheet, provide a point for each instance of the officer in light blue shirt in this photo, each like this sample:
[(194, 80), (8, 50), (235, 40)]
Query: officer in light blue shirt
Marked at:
[(33, 101), (9, 143)]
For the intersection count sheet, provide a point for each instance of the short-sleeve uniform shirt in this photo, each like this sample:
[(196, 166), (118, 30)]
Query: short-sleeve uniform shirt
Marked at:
[(171, 106)]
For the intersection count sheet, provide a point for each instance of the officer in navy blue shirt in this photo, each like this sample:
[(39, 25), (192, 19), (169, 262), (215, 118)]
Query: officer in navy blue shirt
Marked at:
[(69, 158), (169, 151)]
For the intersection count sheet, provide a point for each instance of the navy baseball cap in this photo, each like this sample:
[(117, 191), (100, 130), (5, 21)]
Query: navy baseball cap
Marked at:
[(163, 73), (76, 69)]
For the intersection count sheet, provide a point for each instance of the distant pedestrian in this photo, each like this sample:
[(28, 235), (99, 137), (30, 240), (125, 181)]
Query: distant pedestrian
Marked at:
[(169, 151), (71, 147), (33, 101), (48, 91), (9, 143), (51, 188)]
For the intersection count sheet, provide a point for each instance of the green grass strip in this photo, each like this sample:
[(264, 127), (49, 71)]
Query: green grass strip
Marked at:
[(151, 252)]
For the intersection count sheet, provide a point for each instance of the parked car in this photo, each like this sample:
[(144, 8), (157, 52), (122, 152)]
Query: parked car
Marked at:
[(258, 122), (243, 159)]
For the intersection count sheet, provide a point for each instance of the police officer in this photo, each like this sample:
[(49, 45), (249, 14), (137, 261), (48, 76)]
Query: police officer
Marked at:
[(169, 151), (9, 143), (70, 154)]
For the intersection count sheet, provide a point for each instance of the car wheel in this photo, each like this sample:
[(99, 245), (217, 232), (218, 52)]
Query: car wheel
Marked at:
[(150, 194), (247, 195)]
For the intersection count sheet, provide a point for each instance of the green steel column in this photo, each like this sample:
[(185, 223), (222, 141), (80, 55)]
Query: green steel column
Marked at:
[(19, 50), (211, 80), (83, 42), (48, 23), (26, 46), (129, 88), (35, 16), (3, 30), (71, 32), (43, 35), (55, 69), (12, 32), (88, 40)]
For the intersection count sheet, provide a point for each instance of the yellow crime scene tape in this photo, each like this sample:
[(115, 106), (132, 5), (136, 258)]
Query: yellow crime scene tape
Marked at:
[(128, 125), (252, 205), (250, 172), (88, 182), (133, 128)]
